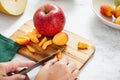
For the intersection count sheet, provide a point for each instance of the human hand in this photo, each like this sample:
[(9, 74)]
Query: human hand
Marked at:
[(13, 66), (58, 70)]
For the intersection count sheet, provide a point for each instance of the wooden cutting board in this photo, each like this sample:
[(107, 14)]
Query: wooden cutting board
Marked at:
[(80, 57)]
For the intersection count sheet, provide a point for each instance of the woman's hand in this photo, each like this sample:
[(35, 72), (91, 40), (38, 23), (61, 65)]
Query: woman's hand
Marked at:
[(58, 70), (13, 66)]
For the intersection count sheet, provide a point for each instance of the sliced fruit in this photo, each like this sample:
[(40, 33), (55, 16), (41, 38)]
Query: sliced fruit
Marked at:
[(82, 45), (59, 56), (32, 37), (31, 49), (42, 41), (47, 43), (60, 38), (22, 40), (37, 33), (13, 7)]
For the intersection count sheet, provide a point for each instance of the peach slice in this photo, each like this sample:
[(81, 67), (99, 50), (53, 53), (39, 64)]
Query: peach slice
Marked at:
[(32, 37), (60, 38), (59, 56), (31, 49), (82, 45), (22, 40), (34, 31), (42, 41), (47, 43)]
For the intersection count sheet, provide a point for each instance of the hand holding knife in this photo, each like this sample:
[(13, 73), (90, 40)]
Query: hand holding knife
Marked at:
[(24, 71)]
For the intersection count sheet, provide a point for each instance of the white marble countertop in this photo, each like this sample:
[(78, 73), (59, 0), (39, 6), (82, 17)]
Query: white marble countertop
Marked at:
[(80, 19)]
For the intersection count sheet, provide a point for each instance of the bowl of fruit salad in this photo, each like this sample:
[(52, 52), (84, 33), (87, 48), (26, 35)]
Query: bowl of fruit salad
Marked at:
[(108, 11)]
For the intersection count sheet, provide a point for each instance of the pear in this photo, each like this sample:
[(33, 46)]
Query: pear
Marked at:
[(117, 2), (13, 7)]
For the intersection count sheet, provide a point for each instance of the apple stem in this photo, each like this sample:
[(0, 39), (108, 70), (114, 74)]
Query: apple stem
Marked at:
[(46, 11)]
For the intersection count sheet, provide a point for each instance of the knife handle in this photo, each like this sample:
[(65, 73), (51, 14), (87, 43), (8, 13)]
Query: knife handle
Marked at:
[(23, 72)]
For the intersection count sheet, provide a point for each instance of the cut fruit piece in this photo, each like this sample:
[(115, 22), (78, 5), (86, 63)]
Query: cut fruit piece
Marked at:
[(37, 33), (32, 37), (31, 49), (59, 56), (13, 7), (60, 38), (47, 43), (82, 45), (22, 40), (42, 41)]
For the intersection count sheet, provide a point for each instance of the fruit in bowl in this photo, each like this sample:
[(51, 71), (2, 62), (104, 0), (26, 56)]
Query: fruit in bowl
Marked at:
[(107, 10), (117, 2), (111, 11), (49, 19), (117, 12), (117, 21)]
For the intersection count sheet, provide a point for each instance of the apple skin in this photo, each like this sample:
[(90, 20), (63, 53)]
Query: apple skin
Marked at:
[(49, 19)]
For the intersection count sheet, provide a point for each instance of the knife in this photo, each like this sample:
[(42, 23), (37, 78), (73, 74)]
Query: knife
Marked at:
[(24, 71)]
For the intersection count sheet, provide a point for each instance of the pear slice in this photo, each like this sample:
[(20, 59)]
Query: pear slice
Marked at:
[(13, 7)]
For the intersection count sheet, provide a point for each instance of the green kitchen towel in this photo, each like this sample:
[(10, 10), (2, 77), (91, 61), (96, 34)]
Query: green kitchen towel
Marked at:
[(8, 48)]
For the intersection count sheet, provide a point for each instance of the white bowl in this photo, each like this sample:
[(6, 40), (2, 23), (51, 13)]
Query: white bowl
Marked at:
[(106, 20)]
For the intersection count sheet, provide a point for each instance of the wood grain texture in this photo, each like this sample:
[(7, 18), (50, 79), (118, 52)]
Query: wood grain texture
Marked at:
[(80, 57)]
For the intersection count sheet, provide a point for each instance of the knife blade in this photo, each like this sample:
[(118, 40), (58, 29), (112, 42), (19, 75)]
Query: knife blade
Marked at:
[(24, 71)]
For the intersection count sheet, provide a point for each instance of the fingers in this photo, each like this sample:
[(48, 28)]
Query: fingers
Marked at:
[(27, 77), (20, 63), (63, 67), (13, 65), (64, 61), (51, 62), (14, 77), (76, 79), (72, 66), (75, 74)]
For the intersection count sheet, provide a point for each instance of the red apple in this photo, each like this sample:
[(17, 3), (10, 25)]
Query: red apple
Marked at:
[(49, 19)]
